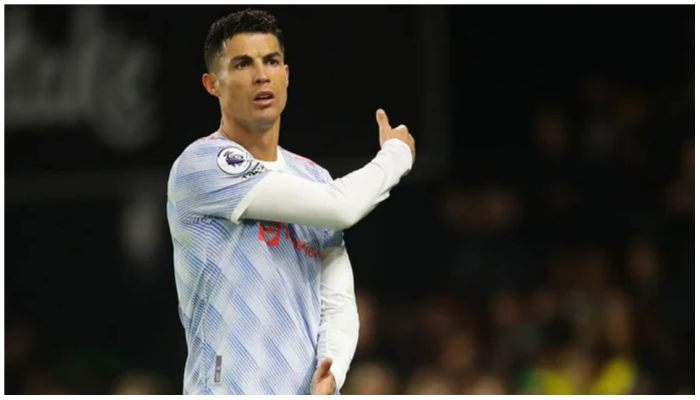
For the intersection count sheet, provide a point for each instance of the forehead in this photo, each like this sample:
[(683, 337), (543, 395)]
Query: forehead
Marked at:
[(252, 44)]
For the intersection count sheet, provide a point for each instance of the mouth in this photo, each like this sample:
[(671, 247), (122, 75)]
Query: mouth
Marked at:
[(264, 98)]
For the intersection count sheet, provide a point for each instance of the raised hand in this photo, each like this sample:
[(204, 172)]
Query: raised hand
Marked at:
[(386, 132)]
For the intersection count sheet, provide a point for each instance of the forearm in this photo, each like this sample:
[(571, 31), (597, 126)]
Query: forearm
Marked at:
[(336, 205), (339, 329)]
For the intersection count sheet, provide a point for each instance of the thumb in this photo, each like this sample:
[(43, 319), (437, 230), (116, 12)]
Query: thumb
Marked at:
[(324, 368), (383, 121)]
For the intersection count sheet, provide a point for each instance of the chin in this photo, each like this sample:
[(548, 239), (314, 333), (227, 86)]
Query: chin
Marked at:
[(267, 116)]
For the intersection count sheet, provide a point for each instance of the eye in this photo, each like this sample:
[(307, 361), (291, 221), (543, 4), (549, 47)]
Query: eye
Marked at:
[(273, 62), (242, 64)]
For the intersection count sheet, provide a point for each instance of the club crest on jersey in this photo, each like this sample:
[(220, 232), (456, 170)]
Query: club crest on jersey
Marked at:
[(234, 161)]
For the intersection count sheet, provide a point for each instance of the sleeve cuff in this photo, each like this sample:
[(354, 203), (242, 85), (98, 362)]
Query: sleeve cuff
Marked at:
[(339, 375), (402, 150)]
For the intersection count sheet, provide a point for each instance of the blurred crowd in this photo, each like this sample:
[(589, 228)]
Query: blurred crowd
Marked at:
[(573, 274)]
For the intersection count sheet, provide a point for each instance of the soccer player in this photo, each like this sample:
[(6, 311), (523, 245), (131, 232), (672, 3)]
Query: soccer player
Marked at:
[(265, 286)]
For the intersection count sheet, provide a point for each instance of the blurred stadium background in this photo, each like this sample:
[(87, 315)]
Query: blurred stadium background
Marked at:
[(544, 243)]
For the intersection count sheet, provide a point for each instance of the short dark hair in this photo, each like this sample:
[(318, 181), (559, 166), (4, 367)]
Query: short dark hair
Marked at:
[(246, 21)]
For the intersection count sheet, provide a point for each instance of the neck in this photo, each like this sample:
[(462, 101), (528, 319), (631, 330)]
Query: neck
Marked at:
[(260, 142)]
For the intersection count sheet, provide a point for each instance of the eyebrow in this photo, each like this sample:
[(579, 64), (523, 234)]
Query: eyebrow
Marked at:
[(246, 57)]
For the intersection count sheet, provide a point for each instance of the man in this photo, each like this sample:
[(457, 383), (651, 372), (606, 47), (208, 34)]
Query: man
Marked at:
[(263, 277)]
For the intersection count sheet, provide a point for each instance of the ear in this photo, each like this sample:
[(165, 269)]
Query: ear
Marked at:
[(211, 84), (286, 69)]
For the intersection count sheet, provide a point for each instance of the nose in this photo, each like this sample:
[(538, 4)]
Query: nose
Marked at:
[(260, 75)]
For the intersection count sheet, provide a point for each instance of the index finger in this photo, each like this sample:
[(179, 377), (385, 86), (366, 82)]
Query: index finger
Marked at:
[(383, 121)]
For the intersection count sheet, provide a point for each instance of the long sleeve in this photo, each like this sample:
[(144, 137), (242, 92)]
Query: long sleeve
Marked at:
[(335, 205), (340, 324)]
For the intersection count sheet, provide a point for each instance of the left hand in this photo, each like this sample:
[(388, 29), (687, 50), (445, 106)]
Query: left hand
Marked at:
[(323, 381)]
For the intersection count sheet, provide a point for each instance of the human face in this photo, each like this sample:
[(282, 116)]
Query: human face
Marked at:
[(251, 80)]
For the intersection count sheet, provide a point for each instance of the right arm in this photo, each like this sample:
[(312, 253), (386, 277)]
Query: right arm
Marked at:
[(336, 205)]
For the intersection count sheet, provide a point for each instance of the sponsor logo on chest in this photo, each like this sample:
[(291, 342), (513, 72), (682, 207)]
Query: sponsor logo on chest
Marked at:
[(273, 232)]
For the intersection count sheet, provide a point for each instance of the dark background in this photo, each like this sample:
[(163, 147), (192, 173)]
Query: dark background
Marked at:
[(544, 242)]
